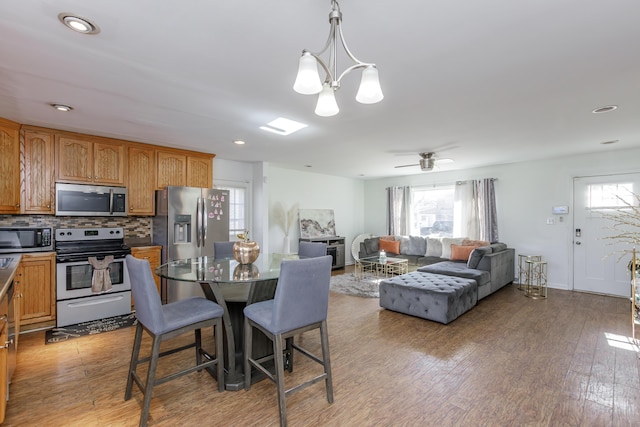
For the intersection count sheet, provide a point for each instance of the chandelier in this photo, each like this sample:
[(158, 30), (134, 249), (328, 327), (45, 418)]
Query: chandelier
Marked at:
[(308, 79)]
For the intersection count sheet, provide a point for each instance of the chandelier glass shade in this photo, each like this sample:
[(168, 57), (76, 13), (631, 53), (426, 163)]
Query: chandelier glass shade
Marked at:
[(308, 81)]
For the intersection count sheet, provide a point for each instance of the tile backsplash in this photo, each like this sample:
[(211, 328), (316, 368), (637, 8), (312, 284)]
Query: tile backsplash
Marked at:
[(135, 227)]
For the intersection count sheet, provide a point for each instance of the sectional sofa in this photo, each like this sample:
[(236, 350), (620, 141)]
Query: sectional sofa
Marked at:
[(451, 276)]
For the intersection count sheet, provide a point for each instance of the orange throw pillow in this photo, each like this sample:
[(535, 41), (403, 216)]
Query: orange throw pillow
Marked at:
[(390, 246), (461, 252)]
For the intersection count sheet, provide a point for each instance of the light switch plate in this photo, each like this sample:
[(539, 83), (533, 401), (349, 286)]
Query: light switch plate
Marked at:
[(550, 221)]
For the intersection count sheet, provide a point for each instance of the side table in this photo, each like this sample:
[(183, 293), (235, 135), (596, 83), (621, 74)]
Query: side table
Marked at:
[(523, 269), (536, 286)]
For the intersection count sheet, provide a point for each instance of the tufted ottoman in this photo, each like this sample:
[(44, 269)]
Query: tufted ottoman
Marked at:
[(428, 295)]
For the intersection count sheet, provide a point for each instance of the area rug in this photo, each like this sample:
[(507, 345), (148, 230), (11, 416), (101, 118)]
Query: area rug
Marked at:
[(70, 332), (367, 287)]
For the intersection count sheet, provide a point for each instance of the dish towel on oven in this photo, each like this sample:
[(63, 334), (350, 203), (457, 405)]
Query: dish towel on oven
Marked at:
[(101, 280)]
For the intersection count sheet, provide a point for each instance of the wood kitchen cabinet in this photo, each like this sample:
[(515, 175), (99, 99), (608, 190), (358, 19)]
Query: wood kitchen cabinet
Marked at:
[(93, 160), (200, 171), (153, 254), (37, 172), (172, 169), (9, 167), (36, 276), (4, 355), (180, 169), (141, 183)]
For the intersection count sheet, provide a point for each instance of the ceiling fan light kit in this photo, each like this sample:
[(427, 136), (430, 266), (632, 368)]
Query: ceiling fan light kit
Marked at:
[(308, 80), (427, 161)]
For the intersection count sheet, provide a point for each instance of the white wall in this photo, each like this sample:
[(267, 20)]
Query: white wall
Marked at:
[(525, 194), (307, 190)]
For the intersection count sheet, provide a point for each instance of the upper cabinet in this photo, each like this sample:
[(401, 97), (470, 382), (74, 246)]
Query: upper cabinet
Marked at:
[(184, 169), (37, 171), (9, 167), (200, 171), (141, 183), (172, 169), (86, 160)]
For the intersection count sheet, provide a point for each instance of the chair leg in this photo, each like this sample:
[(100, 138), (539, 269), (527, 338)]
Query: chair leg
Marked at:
[(324, 338), (279, 365), (248, 341), (151, 378), (219, 353), (135, 353), (289, 354), (198, 339)]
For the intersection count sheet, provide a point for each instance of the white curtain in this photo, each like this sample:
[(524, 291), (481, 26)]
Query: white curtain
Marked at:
[(475, 203), (398, 210)]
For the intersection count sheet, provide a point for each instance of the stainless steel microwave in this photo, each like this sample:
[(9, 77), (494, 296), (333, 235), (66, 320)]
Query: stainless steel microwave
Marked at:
[(90, 200), (25, 239)]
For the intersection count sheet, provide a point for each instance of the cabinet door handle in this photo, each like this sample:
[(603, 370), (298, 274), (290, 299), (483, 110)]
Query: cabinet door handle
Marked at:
[(7, 344)]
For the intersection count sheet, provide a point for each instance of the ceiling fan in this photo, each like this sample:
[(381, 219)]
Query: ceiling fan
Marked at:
[(427, 161)]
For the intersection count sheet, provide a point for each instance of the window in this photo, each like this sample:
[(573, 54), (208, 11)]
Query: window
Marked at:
[(432, 211), (238, 208), (611, 195)]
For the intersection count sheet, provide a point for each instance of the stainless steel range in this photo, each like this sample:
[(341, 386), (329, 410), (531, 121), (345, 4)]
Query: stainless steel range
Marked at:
[(84, 292)]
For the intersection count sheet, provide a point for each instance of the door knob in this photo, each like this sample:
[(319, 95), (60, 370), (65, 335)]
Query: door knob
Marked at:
[(578, 243)]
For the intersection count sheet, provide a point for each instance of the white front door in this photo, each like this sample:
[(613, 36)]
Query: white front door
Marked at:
[(597, 262)]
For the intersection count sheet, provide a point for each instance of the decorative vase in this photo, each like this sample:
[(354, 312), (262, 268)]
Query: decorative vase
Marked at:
[(246, 251), (287, 245)]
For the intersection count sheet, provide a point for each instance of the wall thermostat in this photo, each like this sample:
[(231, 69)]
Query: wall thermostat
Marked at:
[(560, 210)]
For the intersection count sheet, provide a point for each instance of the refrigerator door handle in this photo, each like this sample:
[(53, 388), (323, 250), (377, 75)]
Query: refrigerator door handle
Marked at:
[(204, 222), (199, 224)]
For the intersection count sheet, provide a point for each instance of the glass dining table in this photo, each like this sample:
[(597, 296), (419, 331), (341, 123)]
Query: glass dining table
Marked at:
[(233, 286)]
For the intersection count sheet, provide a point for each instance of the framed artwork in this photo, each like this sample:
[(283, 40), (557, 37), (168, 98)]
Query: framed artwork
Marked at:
[(316, 223)]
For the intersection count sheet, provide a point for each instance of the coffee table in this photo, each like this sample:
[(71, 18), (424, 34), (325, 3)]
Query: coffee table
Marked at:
[(372, 265)]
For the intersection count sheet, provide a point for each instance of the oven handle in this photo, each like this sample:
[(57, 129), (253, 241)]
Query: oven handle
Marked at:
[(111, 201), (83, 259), (89, 302)]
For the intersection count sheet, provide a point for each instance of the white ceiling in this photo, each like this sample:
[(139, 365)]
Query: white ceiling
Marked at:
[(482, 83)]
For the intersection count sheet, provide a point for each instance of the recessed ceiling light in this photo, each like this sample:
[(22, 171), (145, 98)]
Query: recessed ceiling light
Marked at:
[(238, 142), (78, 24), (308, 166), (613, 141), (62, 107), (283, 126), (605, 109)]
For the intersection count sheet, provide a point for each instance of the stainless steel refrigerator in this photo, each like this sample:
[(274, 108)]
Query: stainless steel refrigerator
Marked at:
[(188, 220)]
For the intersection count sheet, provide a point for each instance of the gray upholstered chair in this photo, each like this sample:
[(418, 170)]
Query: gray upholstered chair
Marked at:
[(312, 249), (300, 304), (223, 249), (163, 322)]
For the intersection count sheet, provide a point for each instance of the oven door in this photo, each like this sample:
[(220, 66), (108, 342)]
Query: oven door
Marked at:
[(74, 278)]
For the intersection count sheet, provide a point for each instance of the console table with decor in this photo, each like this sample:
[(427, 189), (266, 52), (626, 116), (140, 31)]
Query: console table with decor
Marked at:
[(335, 248)]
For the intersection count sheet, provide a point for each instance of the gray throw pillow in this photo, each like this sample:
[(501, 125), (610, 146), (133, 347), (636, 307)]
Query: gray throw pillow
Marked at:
[(476, 256), (372, 245), (417, 245), (404, 244), (498, 247), (434, 247)]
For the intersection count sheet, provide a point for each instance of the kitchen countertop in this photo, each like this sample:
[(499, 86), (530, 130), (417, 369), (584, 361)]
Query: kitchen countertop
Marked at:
[(7, 272)]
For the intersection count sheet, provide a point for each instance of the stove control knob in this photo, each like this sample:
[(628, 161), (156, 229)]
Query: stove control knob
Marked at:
[(68, 233)]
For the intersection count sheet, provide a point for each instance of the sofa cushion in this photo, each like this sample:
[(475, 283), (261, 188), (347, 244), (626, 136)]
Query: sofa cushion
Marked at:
[(417, 246), (446, 245), (458, 269), (461, 252), (434, 247), (404, 244), (392, 247), (372, 245), (476, 255), (476, 243)]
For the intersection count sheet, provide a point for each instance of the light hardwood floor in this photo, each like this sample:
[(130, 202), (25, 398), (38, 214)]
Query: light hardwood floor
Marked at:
[(510, 361)]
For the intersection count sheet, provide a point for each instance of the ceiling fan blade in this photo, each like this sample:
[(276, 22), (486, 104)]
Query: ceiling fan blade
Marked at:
[(406, 166)]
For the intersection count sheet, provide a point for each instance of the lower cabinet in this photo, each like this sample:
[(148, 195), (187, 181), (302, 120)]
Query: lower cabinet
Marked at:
[(9, 330), (153, 254), (36, 279), (4, 355)]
